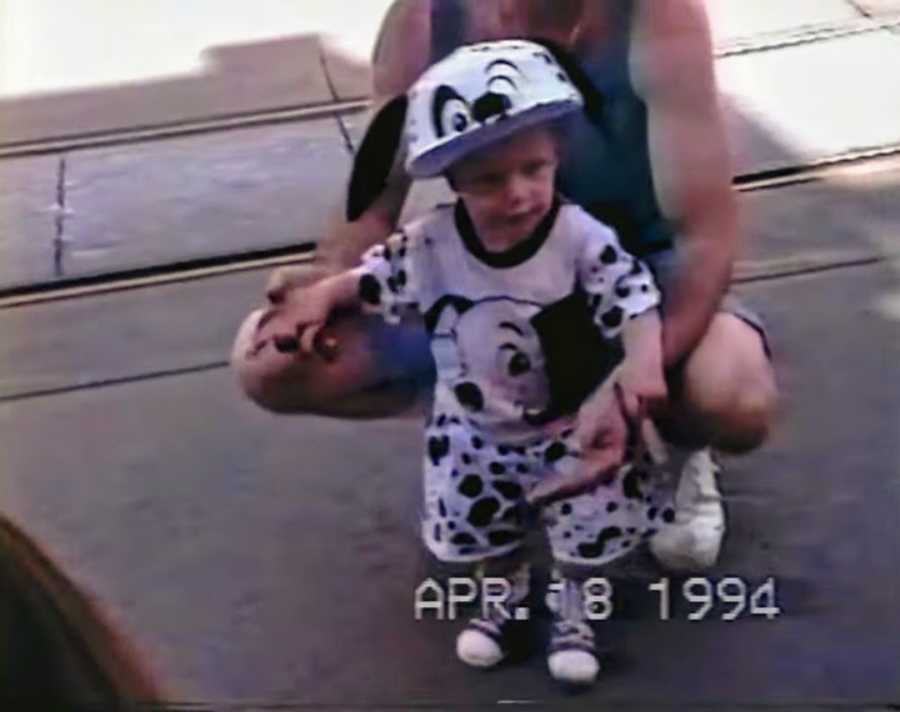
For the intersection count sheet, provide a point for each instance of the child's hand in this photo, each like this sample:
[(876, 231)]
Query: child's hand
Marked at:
[(305, 310), (601, 433), (286, 280)]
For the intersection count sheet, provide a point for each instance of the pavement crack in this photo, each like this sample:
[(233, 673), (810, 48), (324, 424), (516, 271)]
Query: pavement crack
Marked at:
[(59, 215), (107, 382), (804, 35), (342, 127)]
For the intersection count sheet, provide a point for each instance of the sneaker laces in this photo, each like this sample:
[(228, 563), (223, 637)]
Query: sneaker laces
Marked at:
[(570, 631), (493, 621)]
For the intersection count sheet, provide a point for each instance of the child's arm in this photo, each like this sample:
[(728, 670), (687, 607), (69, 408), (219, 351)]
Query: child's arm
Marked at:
[(623, 298), (385, 282), (310, 307)]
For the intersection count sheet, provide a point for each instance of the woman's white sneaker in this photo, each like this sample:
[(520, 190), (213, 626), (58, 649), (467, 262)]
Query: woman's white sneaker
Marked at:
[(692, 542)]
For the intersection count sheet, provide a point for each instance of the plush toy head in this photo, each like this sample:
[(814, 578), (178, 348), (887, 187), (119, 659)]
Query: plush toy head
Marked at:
[(476, 96)]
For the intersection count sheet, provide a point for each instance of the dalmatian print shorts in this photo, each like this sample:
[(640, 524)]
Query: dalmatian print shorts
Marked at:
[(474, 499)]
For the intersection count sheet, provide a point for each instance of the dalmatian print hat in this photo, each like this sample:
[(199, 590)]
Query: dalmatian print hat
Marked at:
[(479, 94), (476, 96)]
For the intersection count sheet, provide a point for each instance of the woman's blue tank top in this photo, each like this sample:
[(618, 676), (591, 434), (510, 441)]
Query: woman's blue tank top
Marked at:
[(607, 170)]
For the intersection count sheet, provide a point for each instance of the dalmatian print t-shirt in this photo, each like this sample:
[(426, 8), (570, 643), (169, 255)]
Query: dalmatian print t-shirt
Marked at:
[(493, 317)]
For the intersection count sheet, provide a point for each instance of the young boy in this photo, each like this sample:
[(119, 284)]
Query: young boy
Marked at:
[(503, 280)]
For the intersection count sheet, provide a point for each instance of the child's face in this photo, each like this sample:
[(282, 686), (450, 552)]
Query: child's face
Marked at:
[(508, 188)]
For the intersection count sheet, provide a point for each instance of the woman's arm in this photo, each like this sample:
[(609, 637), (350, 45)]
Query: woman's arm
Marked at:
[(672, 66)]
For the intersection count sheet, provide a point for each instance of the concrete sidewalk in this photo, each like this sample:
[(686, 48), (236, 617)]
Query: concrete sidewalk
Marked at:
[(801, 82), (256, 559)]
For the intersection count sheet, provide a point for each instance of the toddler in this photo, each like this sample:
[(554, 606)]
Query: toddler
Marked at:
[(528, 302)]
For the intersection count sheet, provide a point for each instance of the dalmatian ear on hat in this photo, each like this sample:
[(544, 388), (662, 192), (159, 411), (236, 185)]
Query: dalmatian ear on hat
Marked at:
[(594, 101), (375, 157)]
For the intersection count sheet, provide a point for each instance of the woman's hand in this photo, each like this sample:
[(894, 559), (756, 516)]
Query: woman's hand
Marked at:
[(642, 388)]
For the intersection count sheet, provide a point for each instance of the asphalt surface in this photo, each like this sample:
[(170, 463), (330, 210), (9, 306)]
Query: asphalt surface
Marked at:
[(256, 559)]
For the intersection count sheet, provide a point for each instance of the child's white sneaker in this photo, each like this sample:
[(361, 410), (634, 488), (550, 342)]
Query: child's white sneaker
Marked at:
[(572, 655), (483, 643), (692, 542)]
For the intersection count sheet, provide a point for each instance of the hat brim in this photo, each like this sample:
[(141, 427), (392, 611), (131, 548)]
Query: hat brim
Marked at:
[(436, 160)]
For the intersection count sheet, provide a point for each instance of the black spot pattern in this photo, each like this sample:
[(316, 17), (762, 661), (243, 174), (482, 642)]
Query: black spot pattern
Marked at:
[(483, 511), (668, 515), (556, 451), (565, 509), (442, 508), (623, 291), (469, 396), (463, 538), (522, 468), (630, 486), (471, 486), (477, 442), (438, 448), (613, 317), (466, 458), (612, 507), (437, 532), (401, 278), (369, 290), (504, 536), (651, 513), (510, 490), (609, 256), (392, 285), (596, 548), (497, 468)]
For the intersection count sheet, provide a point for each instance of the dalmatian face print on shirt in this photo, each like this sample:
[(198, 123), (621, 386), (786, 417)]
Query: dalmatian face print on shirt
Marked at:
[(499, 323), (490, 355)]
